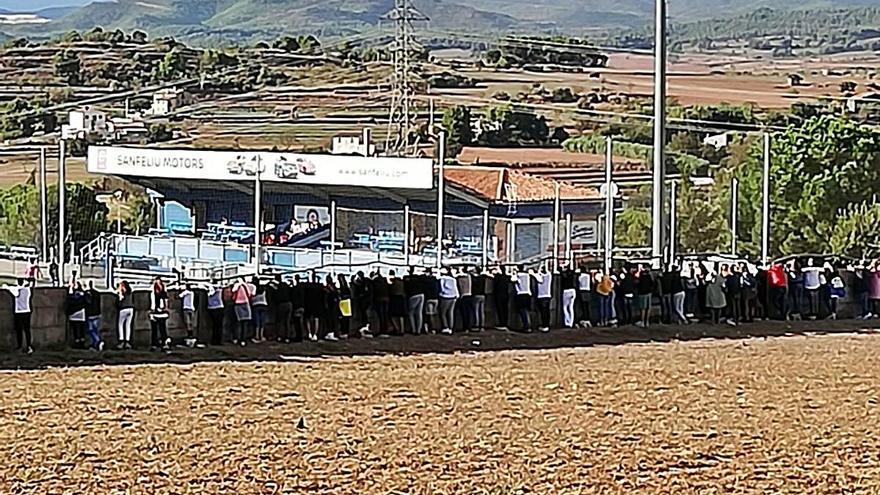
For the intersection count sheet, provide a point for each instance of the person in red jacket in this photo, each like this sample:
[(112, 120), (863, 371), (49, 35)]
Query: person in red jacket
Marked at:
[(778, 282)]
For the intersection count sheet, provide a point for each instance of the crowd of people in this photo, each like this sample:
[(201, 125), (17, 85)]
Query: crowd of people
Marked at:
[(456, 299)]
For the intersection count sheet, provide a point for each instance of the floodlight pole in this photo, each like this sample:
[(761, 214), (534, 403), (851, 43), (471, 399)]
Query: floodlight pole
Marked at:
[(333, 224), (734, 214), (441, 196), (485, 241), (44, 208), (407, 227), (568, 255), (765, 203), (657, 221), (673, 220), (557, 207), (609, 205), (258, 217), (62, 206)]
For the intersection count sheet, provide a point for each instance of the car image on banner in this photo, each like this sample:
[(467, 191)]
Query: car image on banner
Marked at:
[(285, 169)]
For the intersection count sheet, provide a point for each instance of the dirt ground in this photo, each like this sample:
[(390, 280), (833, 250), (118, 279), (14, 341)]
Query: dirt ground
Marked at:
[(793, 414)]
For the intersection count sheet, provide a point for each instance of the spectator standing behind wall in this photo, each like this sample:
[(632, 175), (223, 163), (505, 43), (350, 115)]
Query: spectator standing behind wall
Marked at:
[(93, 317), (125, 315), (21, 294)]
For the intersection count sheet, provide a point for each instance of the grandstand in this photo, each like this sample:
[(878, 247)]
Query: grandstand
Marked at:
[(336, 213)]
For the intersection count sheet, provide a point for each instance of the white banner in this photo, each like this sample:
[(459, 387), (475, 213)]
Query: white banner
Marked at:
[(401, 173)]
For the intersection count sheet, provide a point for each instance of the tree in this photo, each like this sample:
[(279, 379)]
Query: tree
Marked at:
[(68, 67), (459, 131), (172, 66), (817, 170), (857, 231), (138, 37), (20, 214), (504, 126)]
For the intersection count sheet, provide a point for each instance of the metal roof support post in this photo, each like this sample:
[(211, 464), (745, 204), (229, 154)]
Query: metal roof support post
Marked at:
[(441, 196), (765, 203), (62, 207), (557, 207), (44, 208), (258, 218), (333, 223), (608, 243), (407, 235), (658, 176), (485, 240)]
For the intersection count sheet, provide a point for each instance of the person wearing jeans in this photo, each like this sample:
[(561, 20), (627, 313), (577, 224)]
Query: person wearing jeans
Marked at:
[(125, 317), (216, 311), (478, 300), (812, 284), (604, 289), (448, 298), (93, 317)]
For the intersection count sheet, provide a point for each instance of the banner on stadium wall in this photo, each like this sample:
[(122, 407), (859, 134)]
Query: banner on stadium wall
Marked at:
[(585, 232), (401, 173)]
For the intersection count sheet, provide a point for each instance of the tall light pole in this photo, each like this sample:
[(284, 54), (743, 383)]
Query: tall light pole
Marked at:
[(657, 218), (608, 244), (734, 214), (62, 207), (765, 203), (441, 195)]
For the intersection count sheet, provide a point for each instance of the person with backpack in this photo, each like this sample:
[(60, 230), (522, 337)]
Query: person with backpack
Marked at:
[(159, 316)]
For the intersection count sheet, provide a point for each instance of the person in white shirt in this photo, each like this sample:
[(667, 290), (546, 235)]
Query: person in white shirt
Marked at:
[(523, 300), (448, 297), (188, 308), (812, 283), (544, 281), (584, 284), (22, 319)]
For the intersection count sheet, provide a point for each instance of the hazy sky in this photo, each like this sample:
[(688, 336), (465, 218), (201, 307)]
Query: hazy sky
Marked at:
[(27, 5)]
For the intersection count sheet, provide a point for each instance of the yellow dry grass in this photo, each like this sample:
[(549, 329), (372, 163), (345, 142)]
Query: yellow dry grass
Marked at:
[(794, 415)]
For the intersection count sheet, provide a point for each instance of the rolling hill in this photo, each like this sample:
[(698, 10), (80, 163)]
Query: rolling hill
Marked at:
[(245, 20)]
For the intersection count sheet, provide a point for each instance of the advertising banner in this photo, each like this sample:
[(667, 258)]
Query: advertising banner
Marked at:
[(585, 232), (401, 173)]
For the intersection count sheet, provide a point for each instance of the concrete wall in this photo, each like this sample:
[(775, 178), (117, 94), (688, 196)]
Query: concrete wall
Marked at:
[(49, 323)]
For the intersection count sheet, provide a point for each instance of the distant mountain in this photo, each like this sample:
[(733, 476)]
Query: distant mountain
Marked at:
[(55, 12), (248, 20)]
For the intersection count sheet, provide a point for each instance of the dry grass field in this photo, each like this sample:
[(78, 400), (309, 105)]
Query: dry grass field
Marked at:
[(785, 415)]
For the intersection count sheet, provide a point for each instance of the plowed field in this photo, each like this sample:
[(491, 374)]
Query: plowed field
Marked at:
[(785, 415)]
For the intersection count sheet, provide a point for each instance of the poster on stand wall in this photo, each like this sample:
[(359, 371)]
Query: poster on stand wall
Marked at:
[(399, 173)]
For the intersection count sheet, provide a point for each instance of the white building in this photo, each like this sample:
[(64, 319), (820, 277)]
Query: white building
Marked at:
[(84, 124), (349, 145), (718, 141), (167, 100)]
